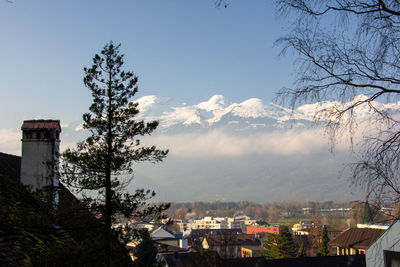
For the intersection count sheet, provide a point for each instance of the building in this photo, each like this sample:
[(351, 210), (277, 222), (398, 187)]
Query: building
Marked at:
[(317, 231), (230, 245), (329, 261), (262, 229), (385, 251), (163, 236), (235, 223), (304, 225), (198, 259), (40, 149), (250, 252), (183, 225), (195, 237), (310, 238), (355, 241), (210, 223)]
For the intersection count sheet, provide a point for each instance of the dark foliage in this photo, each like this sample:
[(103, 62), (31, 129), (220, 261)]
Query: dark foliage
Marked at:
[(279, 246), (324, 243), (145, 252), (34, 233)]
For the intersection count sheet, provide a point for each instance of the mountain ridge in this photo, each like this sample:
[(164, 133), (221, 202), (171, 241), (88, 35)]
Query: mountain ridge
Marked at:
[(251, 113)]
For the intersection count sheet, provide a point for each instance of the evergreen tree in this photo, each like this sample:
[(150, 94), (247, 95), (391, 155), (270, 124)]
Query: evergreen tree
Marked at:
[(324, 243), (99, 162), (279, 246), (145, 252), (271, 250)]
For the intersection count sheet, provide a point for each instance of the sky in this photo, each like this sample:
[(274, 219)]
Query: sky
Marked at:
[(185, 50)]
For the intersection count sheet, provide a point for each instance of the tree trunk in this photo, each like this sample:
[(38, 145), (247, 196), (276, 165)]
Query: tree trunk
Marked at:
[(107, 225)]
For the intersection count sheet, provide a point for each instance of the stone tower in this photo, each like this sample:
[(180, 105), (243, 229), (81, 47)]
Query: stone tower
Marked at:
[(40, 148)]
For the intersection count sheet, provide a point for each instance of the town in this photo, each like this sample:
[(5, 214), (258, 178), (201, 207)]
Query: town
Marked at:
[(347, 230), (212, 133)]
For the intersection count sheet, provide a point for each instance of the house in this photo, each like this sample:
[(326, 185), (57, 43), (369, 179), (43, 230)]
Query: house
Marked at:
[(234, 223), (329, 261), (298, 227), (262, 229), (195, 237), (161, 233), (183, 225), (210, 223), (230, 246), (186, 259), (309, 238), (385, 251), (162, 248), (163, 236), (355, 240), (249, 252)]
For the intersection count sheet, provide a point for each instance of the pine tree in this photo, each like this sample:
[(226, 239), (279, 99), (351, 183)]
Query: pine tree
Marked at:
[(145, 252), (99, 162), (279, 246), (271, 250), (324, 243)]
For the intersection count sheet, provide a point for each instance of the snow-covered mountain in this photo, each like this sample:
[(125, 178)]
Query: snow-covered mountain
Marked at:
[(252, 114)]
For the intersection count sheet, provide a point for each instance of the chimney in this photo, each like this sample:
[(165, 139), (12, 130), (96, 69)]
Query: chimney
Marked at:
[(40, 148)]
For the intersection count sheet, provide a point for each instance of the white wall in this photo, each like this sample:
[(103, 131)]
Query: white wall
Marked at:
[(36, 154), (389, 240)]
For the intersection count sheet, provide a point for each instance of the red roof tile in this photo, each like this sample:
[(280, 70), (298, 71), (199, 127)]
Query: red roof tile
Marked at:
[(359, 238), (41, 124)]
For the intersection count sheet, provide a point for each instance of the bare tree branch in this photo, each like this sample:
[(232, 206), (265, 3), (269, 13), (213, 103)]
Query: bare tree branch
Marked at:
[(348, 48)]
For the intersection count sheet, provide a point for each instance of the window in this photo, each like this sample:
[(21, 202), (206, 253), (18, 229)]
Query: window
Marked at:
[(392, 258)]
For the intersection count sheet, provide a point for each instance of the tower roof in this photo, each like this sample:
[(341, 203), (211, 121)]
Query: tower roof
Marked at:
[(41, 124)]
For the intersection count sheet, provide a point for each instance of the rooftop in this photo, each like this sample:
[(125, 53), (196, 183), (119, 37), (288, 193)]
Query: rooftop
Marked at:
[(234, 240), (41, 124), (358, 238)]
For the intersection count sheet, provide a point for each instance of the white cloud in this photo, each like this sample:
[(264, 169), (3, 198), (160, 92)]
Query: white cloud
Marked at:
[(220, 143), (64, 125), (10, 141), (79, 127)]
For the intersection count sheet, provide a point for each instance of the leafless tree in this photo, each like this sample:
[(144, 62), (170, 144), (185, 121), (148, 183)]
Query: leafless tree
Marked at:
[(348, 48)]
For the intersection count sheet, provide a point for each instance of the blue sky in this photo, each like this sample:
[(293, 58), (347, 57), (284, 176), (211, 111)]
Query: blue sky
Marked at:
[(185, 49)]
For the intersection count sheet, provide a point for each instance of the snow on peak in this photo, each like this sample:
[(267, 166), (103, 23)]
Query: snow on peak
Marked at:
[(145, 102), (251, 108), (153, 104), (204, 113), (180, 115), (218, 111), (218, 99), (216, 102)]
